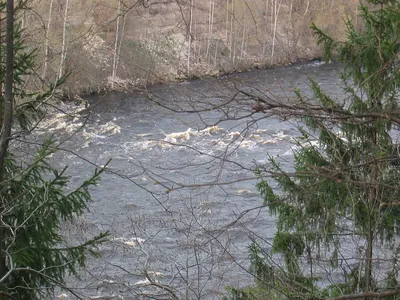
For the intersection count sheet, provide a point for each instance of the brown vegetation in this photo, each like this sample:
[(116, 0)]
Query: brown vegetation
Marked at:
[(115, 44)]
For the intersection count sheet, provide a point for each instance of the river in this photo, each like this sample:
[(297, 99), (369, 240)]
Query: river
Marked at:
[(179, 197)]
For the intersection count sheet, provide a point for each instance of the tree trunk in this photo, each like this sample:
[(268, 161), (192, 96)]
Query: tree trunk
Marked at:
[(243, 37), (369, 253), (8, 90), (277, 8), (46, 40), (307, 7), (121, 39), (265, 28), (64, 42), (210, 20), (8, 114), (114, 67), (372, 203), (1, 80), (190, 36), (231, 33), (227, 21)]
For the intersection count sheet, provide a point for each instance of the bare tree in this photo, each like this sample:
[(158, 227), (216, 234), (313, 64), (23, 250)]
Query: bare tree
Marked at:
[(64, 40), (117, 33), (277, 7), (46, 41), (190, 37)]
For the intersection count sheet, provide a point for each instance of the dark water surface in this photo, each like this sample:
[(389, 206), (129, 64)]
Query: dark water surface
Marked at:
[(179, 198)]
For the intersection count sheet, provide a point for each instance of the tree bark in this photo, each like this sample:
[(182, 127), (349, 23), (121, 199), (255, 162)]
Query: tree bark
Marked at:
[(8, 90), (277, 8), (114, 68), (190, 36), (243, 37), (227, 21), (64, 43), (1, 80), (265, 28), (231, 45), (210, 12), (8, 114), (46, 46), (121, 39), (372, 203)]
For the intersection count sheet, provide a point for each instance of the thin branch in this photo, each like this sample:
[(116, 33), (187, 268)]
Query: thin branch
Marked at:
[(376, 295)]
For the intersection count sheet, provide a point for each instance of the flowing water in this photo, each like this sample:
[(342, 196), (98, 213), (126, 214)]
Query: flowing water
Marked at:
[(179, 197)]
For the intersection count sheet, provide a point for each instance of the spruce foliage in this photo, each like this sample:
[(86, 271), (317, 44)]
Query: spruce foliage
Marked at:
[(35, 203), (35, 198), (338, 212)]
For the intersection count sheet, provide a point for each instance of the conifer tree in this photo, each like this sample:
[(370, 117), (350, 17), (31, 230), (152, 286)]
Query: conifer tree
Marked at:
[(34, 196), (338, 210)]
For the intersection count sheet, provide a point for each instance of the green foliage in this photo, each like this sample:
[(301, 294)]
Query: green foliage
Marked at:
[(28, 105), (35, 202), (345, 184), (272, 282), (35, 199)]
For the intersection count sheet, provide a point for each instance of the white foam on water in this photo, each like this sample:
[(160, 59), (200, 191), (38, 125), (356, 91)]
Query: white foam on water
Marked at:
[(244, 192), (109, 281), (260, 131), (172, 140), (269, 142), (256, 137), (211, 146), (210, 130), (132, 242), (233, 135), (189, 133), (109, 128), (182, 136), (248, 144), (91, 135), (217, 144), (281, 136), (144, 134), (313, 64), (146, 145)]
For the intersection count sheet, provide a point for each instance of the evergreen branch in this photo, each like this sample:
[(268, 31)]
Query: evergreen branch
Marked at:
[(58, 283), (98, 239), (324, 39)]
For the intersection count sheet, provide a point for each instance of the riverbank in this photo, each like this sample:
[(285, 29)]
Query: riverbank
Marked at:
[(82, 97), (106, 48)]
